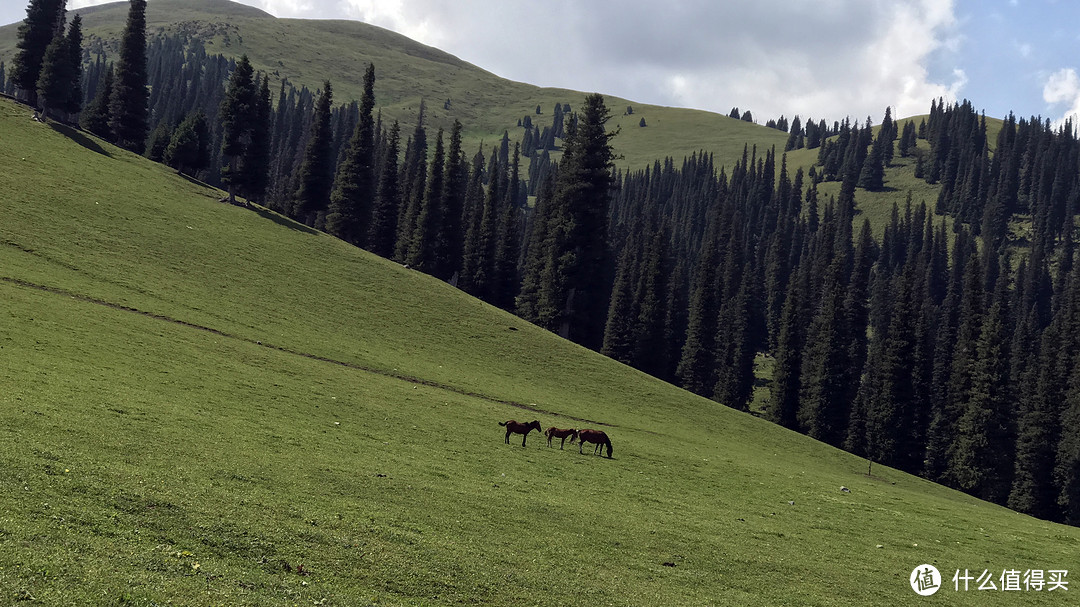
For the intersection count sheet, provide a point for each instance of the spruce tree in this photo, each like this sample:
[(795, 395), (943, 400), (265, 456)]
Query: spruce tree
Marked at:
[(1033, 490), (784, 400), (354, 188), (423, 246), (128, 103), (44, 18), (158, 142), (823, 409), (256, 159), (696, 370), (238, 123), (1067, 464), (316, 172), (980, 460), (413, 182), (536, 244), (619, 331), (872, 176), (57, 73), (188, 149), (478, 265), (384, 214), (735, 351), (451, 239), (74, 102), (96, 117), (579, 284), (652, 293)]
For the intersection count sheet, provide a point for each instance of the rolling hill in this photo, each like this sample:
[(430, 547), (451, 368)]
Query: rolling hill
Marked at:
[(205, 404), (307, 52)]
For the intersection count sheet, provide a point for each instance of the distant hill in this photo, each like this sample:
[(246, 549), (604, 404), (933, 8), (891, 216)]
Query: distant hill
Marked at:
[(307, 52)]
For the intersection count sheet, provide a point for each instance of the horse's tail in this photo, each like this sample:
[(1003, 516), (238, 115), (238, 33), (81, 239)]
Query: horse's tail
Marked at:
[(502, 423)]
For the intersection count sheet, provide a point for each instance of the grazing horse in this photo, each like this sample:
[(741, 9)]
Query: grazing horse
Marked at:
[(513, 427), (594, 436), (554, 432)]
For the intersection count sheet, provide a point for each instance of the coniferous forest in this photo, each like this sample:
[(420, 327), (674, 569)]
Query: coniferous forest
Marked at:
[(948, 346)]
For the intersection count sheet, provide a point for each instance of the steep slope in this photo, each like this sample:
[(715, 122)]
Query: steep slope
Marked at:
[(198, 399)]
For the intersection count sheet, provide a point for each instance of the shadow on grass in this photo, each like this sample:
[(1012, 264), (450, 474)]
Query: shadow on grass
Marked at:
[(283, 221), (80, 138), (193, 181)]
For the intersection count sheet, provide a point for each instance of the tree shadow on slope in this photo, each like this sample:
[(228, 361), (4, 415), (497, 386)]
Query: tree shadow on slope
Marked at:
[(283, 221), (80, 138)]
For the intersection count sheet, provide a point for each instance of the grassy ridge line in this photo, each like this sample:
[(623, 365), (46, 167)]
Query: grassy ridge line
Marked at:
[(406, 378)]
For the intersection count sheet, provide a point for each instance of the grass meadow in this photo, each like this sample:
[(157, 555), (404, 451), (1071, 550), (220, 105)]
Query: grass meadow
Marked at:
[(207, 405)]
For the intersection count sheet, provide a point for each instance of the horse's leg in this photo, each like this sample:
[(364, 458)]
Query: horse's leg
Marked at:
[(562, 443), (508, 435), (523, 437)]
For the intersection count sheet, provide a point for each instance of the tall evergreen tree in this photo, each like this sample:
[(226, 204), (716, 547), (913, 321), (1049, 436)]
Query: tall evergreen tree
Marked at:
[(316, 172), (980, 459), (784, 400), (384, 214), (506, 279), (413, 183), (478, 265), (696, 370), (96, 117), (43, 21), (451, 239), (56, 76), (536, 246), (74, 102), (621, 326), (823, 410), (238, 124), (735, 350), (354, 188), (579, 283), (423, 246), (256, 159), (128, 103)]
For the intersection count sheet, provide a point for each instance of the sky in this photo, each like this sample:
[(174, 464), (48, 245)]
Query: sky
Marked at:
[(813, 58)]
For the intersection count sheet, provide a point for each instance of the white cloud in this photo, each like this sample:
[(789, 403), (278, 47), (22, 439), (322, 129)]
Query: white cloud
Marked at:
[(1062, 89)]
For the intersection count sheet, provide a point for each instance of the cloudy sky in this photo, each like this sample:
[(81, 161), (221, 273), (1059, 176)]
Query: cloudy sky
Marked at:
[(817, 58)]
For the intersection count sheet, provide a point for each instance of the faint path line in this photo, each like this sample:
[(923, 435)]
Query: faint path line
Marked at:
[(315, 357)]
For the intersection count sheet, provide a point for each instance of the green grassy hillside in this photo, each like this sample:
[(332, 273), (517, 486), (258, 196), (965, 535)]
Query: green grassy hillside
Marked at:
[(197, 399)]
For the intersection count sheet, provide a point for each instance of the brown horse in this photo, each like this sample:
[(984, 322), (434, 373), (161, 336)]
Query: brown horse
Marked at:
[(513, 427), (594, 436), (554, 432)]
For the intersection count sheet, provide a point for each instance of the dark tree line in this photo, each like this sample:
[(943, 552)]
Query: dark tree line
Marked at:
[(952, 355)]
